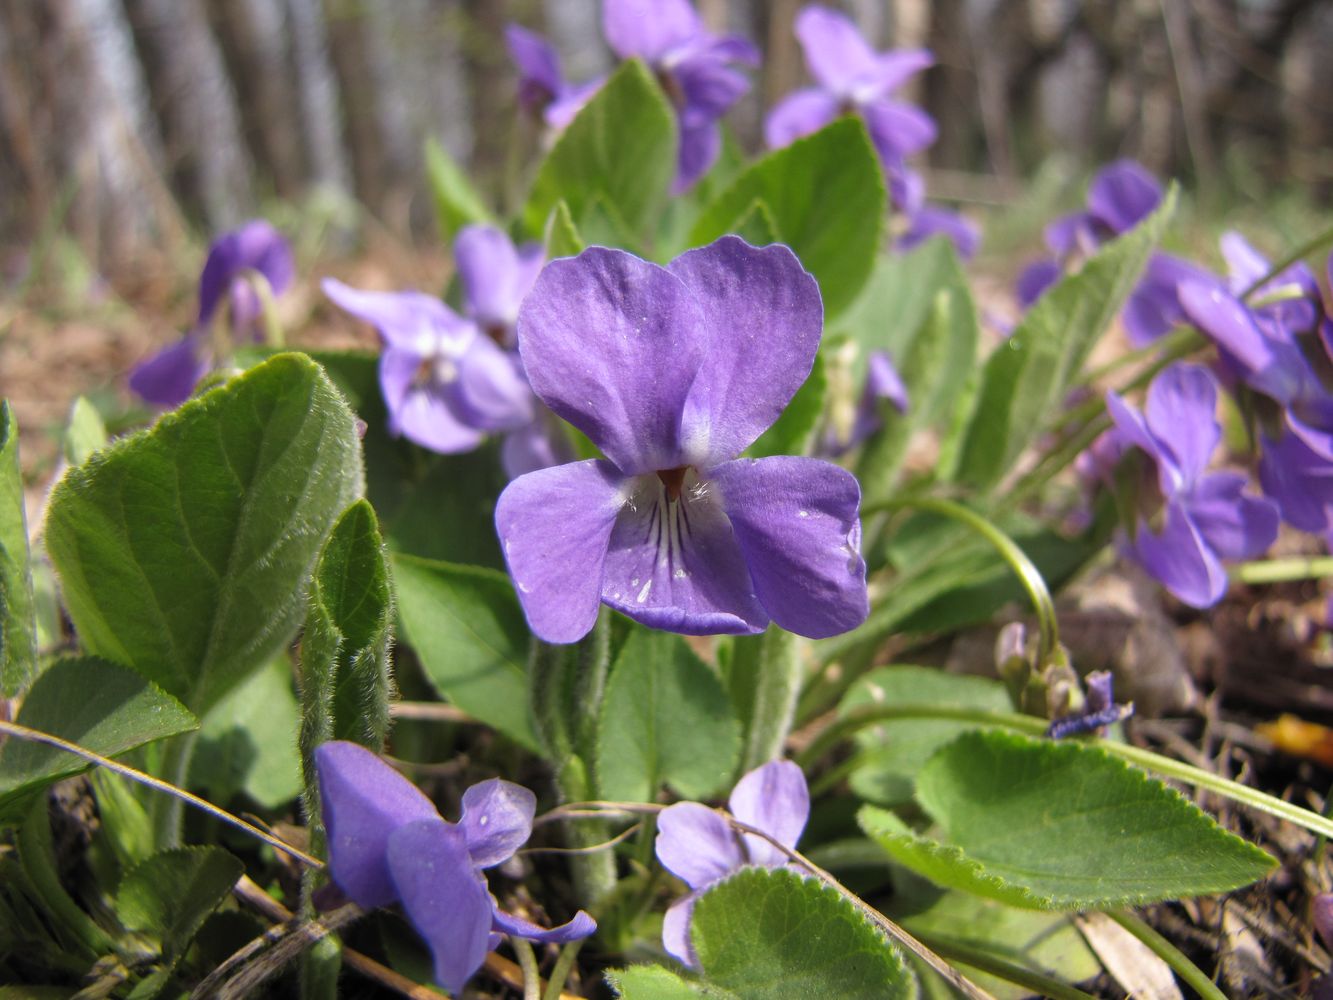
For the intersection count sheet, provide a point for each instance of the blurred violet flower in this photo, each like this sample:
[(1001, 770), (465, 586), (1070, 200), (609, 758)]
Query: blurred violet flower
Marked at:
[(1277, 350), (852, 78), (693, 65), (699, 846), (1099, 711), (1204, 517), (672, 372), (445, 383), (930, 221), (496, 277), (255, 251), (542, 87), (882, 383), (1121, 195), (387, 843)]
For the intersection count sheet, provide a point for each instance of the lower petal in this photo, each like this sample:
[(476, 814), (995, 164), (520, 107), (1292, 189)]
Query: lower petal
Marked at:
[(676, 565), (492, 393), (696, 844), (170, 375), (424, 413), (898, 129), (797, 522), (1181, 560), (676, 931), (496, 820), (443, 896), (1299, 481), (555, 526), (1234, 525)]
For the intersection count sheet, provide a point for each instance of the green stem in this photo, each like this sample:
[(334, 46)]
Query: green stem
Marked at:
[(1008, 549), (872, 715), (555, 985), (169, 813), (527, 961), (1192, 975), (1282, 570), (984, 961), (595, 872), (777, 682)]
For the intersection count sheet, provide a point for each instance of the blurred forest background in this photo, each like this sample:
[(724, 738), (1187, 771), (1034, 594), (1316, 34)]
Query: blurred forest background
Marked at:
[(128, 125)]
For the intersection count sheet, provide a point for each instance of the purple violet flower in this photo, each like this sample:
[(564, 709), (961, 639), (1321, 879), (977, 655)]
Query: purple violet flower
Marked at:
[(236, 259), (387, 843), (445, 383), (542, 87), (882, 383), (693, 65), (1100, 711), (852, 78), (672, 372), (699, 846), (1274, 349), (931, 221), (1205, 518), (496, 275)]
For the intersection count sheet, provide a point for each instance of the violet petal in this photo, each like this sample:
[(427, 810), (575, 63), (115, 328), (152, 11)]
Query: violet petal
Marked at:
[(1234, 525), (579, 926), (168, 377), (773, 798), (835, 52), (409, 321), (696, 844), (363, 801), (443, 896), (492, 392), (676, 930), (1122, 195), (799, 114), (254, 246), (554, 527), (764, 318), (797, 522), (1181, 413), (497, 820), (613, 343), (1181, 560), (425, 413), (648, 28)]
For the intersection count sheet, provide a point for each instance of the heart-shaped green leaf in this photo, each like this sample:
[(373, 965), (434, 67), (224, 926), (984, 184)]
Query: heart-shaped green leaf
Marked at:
[(771, 934), (184, 551), (1061, 826), (665, 720), (824, 197), (18, 635), (171, 893)]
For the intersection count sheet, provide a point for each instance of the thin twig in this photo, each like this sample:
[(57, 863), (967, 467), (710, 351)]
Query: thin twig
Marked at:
[(431, 711), (591, 848)]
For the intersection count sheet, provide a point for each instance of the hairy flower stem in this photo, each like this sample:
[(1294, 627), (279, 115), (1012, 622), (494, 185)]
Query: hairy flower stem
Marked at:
[(871, 715), (594, 872), (766, 672), (1023, 567), (1193, 976), (527, 961), (168, 813)]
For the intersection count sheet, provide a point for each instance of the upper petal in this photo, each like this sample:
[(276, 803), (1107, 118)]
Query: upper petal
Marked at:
[(409, 321), (1071, 233), (170, 375), (1181, 413), (836, 54), (1122, 194), (554, 527), (443, 896), (538, 65), (1154, 307), (491, 273), (763, 320), (797, 522), (496, 821), (1299, 480), (648, 28), (612, 343), (1035, 279), (799, 114), (1228, 323), (676, 564), (696, 844), (492, 393), (254, 246), (932, 221), (774, 798), (363, 801)]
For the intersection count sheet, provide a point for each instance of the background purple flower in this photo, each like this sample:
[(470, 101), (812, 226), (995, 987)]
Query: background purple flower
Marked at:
[(930, 221), (254, 251), (387, 843), (700, 847), (542, 87), (694, 66), (496, 275), (852, 78), (1204, 517), (444, 382), (672, 372)]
